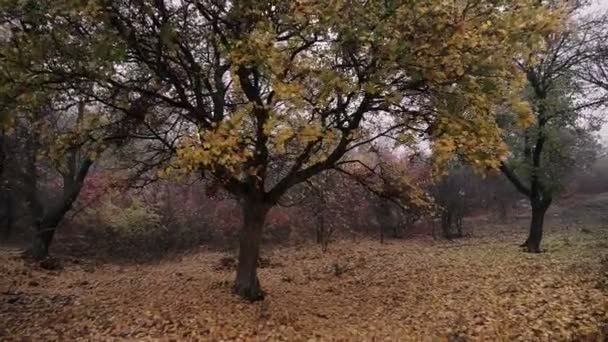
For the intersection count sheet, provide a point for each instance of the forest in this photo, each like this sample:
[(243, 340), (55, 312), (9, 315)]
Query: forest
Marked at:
[(303, 170)]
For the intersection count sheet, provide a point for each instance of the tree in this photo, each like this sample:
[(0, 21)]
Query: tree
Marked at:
[(57, 130), (51, 154), (295, 85), (499, 195), (549, 148), (453, 194), (324, 202), (397, 181)]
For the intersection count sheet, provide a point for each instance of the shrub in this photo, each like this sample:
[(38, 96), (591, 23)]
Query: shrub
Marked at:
[(134, 220)]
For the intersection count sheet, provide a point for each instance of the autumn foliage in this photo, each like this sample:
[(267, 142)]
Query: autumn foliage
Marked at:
[(353, 155)]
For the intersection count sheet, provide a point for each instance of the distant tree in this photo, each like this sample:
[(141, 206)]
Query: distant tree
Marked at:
[(394, 187), (401, 199), (451, 194), (459, 193), (499, 196), (325, 201)]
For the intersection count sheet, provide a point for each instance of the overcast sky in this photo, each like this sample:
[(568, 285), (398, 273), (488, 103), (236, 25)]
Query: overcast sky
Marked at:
[(599, 6)]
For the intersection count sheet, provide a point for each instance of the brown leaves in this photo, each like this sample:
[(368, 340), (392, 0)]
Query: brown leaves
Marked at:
[(406, 290)]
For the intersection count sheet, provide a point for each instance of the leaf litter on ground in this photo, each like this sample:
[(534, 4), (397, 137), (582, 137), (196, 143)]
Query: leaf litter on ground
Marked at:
[(418, 290)]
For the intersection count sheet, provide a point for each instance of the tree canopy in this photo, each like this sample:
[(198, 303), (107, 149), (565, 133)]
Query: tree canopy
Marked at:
[(264, 95)]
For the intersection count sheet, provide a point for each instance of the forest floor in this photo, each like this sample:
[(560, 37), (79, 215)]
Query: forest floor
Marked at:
[(479, 288)]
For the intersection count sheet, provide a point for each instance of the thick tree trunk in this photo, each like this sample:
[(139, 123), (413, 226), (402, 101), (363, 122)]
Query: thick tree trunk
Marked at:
[(247, 284), (45, 231), (49, 219), (7, 218), (535, 237), (42, 242)]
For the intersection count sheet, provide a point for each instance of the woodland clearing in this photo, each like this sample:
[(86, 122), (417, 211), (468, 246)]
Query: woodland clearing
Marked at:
[(480, 288)]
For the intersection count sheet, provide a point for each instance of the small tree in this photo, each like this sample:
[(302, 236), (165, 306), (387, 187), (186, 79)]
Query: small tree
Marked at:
[(451, 195), (457, 194), (499, 196), (403, 199), (324, 201), (394, 184)]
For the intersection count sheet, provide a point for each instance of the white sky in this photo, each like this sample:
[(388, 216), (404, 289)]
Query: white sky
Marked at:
[(600, 6)]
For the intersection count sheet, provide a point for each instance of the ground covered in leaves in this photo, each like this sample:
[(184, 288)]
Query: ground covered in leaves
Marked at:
[(419, 289)]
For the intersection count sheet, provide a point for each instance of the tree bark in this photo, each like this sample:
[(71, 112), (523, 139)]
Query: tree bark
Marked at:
[(47, 221), (535, 237), (7, 218), (247, 284), (45, 230), (42, 242)]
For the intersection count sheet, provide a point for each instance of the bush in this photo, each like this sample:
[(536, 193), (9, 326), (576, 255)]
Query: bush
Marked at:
[(131, 226), (134, 220)]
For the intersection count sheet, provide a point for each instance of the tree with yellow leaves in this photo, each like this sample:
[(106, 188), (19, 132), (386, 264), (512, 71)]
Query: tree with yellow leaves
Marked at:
[(268, 94)]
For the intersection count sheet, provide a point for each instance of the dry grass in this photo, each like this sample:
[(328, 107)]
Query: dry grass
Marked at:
[(420, 290)]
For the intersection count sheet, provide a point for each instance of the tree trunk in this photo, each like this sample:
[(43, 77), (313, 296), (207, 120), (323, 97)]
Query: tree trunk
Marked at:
[(42, 241), (535, 237), (502, 212), (48, 220), (45, 231), (446, 224), (8, 216), (459, 233), (247, 284)]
